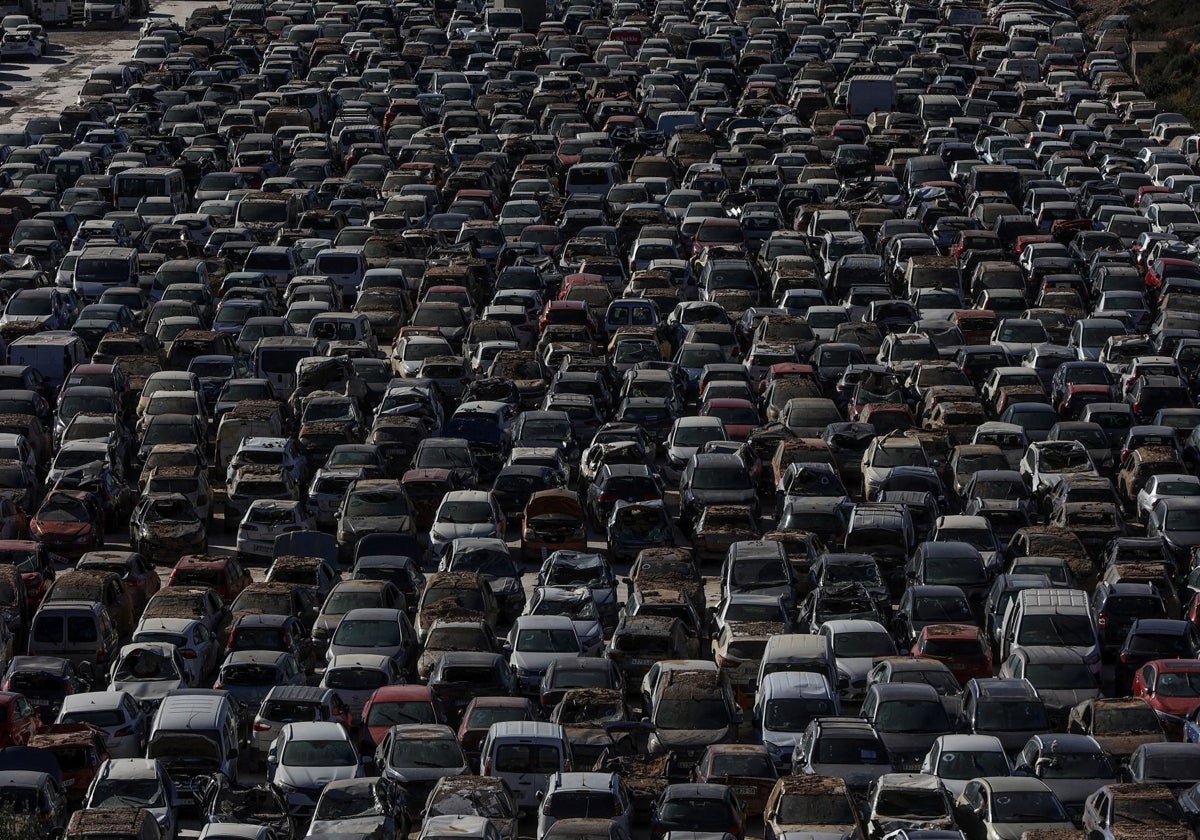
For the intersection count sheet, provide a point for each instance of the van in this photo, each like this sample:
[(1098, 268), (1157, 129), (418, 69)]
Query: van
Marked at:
[(248, 419), (592, 179), (344, 266), (924, 169), (100, 268), (343, 326), (80, 631), (785, 703), (113, 824), (798, 653), (525, 754), (1056, 617), (194, 734), (274, 358), (52, 354)]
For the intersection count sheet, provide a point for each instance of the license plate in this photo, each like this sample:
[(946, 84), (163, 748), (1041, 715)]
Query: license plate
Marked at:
[(744, 790), (639, 662)]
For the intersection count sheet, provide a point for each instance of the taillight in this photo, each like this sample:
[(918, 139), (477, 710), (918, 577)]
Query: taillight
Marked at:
[(262, 727), (135, 581), (121, 733), (188, 654), (101, 655), (1101, 621), (287, 639), (217, 686), (487, 767)]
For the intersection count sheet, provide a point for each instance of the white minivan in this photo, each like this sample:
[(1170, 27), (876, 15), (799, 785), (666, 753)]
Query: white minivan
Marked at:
[(525, 754), (785, 703)]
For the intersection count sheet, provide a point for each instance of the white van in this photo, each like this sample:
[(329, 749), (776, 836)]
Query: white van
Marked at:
[(799, 653), (525, 754), (194, 734), (785, 703), (344, 266), (1055, 617)]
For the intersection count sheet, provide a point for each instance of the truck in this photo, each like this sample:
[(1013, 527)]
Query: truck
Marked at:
[(867, 94)]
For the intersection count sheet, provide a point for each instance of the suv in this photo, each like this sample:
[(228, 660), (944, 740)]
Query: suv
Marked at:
[(887, 532), (570, 794), (848, 748), (1009, 709)]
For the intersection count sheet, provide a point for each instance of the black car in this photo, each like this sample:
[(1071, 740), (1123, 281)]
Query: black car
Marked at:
[(698, 807)]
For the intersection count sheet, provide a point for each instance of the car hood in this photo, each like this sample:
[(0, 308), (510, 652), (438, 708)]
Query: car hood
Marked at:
[(537, 661), (1121, 746), (855, 667), (690, 737), (147, 689), (1074, 791), (1014, 830), (1066, 698), (309, 778), (63, 529), (856, 775), (454, 531), (377, 523), (360, 826)]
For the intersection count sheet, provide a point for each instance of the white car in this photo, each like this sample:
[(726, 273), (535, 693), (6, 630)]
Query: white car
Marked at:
[(306, 757), (136, 783), (20, 44), (856, 644), (1162, 486), (198, 647), (111, 711), (1046, 462), (265, 520)]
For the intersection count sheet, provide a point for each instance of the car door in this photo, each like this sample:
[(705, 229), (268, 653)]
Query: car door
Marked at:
[(206, 649)]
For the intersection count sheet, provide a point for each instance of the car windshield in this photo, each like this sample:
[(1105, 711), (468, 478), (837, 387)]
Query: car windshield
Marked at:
[(1010, 715), (465, 513), (911, 716), (1131, 718), (692, 713), (863, 644), (1148, 810), (831, 750), (546, 640), (1075, 765), (355, 679), (1027, 806), (146, 664), (126, 793), (490, 564), (810, 809), (1057, 629), (318, 754), (406, 711), (759, 573), (713, 478), (1064, 676), (966, 764), (911, 804), (367, 633), (376, 503), (341, 804), (425, 752), (1178, 684)]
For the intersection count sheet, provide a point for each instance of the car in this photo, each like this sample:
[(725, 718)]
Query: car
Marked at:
[(1108, 807), (693, 807), (139, 783), (1004, 807), (417, 756), (305, 757)]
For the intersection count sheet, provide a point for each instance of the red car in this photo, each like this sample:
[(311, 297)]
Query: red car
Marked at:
[(80, 748), (739, 417), (224, 574), (482, 712), (34, 562), (1170, 686), (962, 647), (19, 721), (393, 704), (69, 522)]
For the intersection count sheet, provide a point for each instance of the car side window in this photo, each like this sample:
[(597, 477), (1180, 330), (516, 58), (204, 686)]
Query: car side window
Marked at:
[(1148, 671)]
